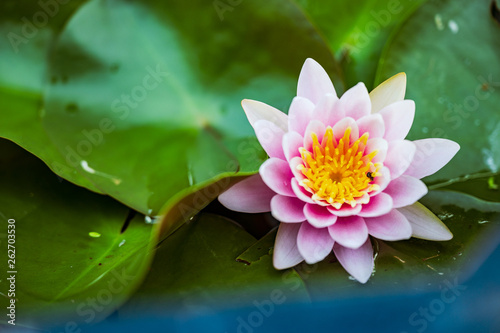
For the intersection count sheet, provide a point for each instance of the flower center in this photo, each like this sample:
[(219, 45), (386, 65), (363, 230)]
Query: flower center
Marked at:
[(339, 172)]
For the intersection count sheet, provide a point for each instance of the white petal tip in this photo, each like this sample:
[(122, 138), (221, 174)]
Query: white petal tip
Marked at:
[(247, 102), (425, 225), (443, 235), (363, 279), (281, 264), (311, 62), (256, 111), (390, 91)]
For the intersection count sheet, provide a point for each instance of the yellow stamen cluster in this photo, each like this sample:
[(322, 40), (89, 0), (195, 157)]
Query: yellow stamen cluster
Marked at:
[(338, 172)]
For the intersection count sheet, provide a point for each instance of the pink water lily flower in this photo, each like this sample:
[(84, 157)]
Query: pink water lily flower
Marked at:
[(341, 170)]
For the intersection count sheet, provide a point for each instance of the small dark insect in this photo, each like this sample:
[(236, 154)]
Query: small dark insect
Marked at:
[(369, 175)]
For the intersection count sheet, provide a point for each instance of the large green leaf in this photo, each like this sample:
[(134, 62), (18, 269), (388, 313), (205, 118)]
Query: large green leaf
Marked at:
[(76, 259), (209, 258), (23, 70), (357, 31), (200, 267), (483, 186), (450, 52), (144, 96)]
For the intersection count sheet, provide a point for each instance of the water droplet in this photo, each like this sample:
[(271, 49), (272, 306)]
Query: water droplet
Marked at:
[(453, 26), (150, 220), (445, 216), (121, 243), (94, 234), (190, 178), (439, 22), (85, 166), (483, 221)]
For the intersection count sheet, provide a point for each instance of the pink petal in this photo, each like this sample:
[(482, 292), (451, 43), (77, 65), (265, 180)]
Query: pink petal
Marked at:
[(250, 195), (256, 111), (399, 157), (287, 209), (300, 114), (390, 91), (378, 144), (314, 82), (372, 124), (356, 101), (328, 111), (270, 137), (277, 175), (390, 227), (314, 244), (425, 224), (398, 118), (319, 216), (431, 155), (382, 181), (340, 127), (286, 254), (292, 141), (379, 204), (345, 210), (357, 262), (294, 163), (406, 190), (316, 127), (300, 192), (350, 231)]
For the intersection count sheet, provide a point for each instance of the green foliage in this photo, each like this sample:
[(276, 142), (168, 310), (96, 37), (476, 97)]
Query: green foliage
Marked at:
[(140, 101), (454, 80), (61, 266)]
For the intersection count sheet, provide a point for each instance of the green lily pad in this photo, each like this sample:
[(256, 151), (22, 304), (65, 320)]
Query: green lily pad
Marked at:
[(482, 186), (23, 70), (357, 31), (200, 265), (210, 258), (263, 247), (147, 105), (449, 51), (76, 260)]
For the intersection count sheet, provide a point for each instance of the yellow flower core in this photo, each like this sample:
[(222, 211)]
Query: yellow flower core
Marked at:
[(339, 172)]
